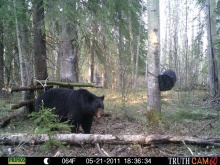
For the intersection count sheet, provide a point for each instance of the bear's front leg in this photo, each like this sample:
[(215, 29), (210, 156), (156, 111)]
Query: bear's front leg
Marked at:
[(87, 124)]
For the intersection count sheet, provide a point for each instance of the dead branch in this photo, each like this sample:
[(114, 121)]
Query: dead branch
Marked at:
[(10, 138), (23, 103), (188, 148), (206, 125), (4, 121), (102, 151)]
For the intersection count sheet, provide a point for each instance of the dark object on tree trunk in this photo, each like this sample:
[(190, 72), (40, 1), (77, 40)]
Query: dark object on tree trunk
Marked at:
[(167, 79)]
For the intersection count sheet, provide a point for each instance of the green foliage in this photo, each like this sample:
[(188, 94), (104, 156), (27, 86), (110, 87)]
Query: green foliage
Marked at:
[(47, 123), (97, 22)]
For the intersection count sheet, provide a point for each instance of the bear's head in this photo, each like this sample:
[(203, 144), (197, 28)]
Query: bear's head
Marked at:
[(91, 104), (98, 106)]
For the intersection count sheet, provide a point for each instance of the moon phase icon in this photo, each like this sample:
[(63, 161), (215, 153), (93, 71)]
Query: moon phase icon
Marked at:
[(46, 161)]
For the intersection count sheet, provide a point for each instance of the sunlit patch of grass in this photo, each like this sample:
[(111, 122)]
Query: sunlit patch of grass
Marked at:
[(189, 120), (180, 114)]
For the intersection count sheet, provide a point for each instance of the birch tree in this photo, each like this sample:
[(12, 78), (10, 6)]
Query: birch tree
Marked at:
[(153, 62)]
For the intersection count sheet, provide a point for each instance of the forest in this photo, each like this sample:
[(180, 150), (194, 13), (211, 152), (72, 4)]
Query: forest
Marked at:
[(120, 50)]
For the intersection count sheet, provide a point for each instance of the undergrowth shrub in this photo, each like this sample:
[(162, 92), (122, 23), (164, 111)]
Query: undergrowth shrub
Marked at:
[(49, 123)]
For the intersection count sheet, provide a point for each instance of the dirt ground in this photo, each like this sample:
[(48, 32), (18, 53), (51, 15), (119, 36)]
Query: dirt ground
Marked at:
[(183, 114)]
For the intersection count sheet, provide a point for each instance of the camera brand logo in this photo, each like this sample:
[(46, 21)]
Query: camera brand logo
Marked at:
[(214, 161), (204, 161), (193, 161), (178, 161), (16, 160)]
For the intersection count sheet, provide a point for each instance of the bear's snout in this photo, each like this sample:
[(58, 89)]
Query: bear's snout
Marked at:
[(99, 112)]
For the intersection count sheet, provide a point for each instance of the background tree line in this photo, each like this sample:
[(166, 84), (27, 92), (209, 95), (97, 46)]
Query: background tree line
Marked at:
[(71, 40), (80, 40), (190, 42)]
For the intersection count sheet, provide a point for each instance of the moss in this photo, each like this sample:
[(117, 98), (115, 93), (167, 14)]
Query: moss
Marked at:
[(154, 117)]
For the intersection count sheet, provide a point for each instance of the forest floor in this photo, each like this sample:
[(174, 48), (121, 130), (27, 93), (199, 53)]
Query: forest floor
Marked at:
[(183, 114)]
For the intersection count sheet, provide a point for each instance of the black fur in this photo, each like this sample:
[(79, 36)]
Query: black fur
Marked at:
[(77, 106)]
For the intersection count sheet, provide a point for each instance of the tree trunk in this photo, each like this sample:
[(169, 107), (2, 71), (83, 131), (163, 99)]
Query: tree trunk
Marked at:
[(186, 47), (39, 41), (176, 39), (136, 62), (137, 50), (92, 59), (153, 62), (69, 54), (211, 34), (131, 60), (1, 57), (92, 52), (122, 65), (25, 58), (106, 76), (165, 45), (110, 139)]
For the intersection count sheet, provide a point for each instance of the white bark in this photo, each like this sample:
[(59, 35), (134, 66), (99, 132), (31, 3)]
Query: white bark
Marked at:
[(153, 59), (10, 138)]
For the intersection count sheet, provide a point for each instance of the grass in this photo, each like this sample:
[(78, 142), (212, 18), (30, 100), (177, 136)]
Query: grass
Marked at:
[(183, 114)]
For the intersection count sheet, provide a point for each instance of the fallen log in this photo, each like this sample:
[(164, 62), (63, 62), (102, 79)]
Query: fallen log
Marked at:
[(50, 85), (32, 88), (66, 84), (10, 138), (22, 103)]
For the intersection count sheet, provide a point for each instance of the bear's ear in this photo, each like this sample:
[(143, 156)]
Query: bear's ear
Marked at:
[(102, 97)]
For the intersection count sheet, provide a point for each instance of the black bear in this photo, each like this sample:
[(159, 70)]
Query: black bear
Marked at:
[(77, 106), (167, 79)]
